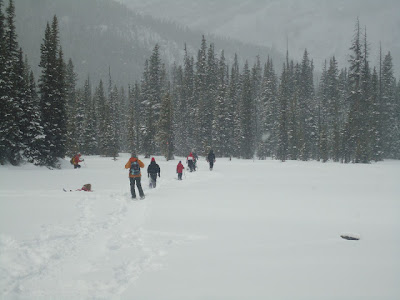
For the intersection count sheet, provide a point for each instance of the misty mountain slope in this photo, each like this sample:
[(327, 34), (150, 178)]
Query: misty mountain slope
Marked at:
[(324, 27), (97, 34)]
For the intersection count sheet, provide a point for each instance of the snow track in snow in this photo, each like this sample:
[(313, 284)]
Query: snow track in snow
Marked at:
[(99, 256)]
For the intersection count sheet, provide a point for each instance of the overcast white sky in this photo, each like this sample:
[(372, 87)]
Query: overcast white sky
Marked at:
[(324, 27)]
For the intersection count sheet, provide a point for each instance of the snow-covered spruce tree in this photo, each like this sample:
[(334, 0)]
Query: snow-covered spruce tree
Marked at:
[(293, 111), (3, 91), (34, 137), (165, 134), (344, 113), (52, 95), (73, 110), (235, 111), (334, 124), (147, 112), (388, 107), (11, 140), (134, 119), (100, 105), (199, 100), (269, 107), (219, 126), (188, 106), (123, 122), (282, 146), (376, 114), (180, 111), (308, 131), (151, 101), (363, 150), (256, 80), (112, 120), (397, 122), (90, 141), (247, 137), (353, 126), (324, 120)]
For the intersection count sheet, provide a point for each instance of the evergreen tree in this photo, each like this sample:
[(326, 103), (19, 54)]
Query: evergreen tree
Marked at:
[(235, 104), (269, 109), (90, 141), (73, 111), (4, 124), (11, 144), (388, 107), (284, 92), (353, 126), (165, 133), (376, 135), (219, 126), (247, 137), (52, 95)]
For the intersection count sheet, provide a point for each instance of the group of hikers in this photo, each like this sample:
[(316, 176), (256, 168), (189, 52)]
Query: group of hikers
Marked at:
[(153, 170)]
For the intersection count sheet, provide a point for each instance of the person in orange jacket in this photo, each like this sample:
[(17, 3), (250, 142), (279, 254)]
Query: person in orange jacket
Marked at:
[(179, 170), (76, 160), (134, 165)]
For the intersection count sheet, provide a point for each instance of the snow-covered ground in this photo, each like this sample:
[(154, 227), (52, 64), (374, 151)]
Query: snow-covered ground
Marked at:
[(247, 230)]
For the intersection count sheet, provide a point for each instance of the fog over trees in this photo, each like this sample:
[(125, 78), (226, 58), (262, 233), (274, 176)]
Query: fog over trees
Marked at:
[(258, 108)]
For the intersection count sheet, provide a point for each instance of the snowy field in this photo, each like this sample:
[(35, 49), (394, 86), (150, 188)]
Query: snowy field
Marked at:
[(247, 230)]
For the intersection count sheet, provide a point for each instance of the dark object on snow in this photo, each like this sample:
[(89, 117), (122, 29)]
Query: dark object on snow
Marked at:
[(350, 237)]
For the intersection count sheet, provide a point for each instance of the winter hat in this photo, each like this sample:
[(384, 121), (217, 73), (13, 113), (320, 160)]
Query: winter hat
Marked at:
[(153, 159), (133, 155)]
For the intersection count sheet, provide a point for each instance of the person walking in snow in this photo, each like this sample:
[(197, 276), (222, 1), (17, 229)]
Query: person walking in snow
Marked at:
[(152, 170), (134, 165), (211, 159), (190, 162), (76, 160), (179, 170), (196, 158)]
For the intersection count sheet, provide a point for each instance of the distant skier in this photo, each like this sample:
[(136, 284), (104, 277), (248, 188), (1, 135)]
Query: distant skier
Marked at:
[(76, 160), (179, 170), (152, 170), (134, 165), (190, 162), (211, 159)]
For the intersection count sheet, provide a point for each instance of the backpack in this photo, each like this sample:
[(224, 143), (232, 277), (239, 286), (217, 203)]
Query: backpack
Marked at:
[(135, 168), (72, 161)]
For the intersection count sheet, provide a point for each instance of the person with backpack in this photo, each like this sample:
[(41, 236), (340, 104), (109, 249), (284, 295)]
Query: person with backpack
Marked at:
[(211, 159), (152, 170), (134, 165), (179, 170), (75, 160), (190, 162)]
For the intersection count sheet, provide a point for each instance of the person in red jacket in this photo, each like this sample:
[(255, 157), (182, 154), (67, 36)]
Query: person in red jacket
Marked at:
[(134, 165), (179, 170), (77, 160)]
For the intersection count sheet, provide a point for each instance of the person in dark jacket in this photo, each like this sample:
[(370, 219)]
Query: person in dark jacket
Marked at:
[(211, 159), (152, 171)]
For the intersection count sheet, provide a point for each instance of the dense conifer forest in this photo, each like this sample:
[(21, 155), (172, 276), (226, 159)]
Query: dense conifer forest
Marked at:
[(244, 111)]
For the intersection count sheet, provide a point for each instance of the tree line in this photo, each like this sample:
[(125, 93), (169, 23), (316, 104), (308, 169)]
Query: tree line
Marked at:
[(348, 115)]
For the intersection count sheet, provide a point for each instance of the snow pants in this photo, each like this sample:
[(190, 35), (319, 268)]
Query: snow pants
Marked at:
[(138, 184), (153, 180), (179, 176)]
